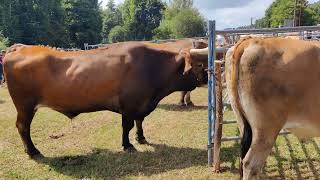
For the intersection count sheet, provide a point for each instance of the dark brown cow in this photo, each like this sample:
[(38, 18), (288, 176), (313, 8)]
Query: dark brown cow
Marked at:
[(127, 78)]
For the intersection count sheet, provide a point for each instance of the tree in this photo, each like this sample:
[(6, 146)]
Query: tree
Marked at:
[(33, 22), (118, 34), (141, 17), (84, 22), (314, 11), (188, 23), (180, 20), (111, 17), (182, 4), (280, 10)]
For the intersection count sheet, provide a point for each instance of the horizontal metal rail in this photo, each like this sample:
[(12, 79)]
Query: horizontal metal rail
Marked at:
[(269, 30), (237, 138), (229, 121)]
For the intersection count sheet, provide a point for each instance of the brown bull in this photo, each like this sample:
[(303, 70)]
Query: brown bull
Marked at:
[(127, 78), (272, 84)]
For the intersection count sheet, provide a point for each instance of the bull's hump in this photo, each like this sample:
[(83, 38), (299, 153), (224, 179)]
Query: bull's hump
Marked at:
[(15, 47)]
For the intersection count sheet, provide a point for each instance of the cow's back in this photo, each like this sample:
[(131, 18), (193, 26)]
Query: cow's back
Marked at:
[(126, 77), (66, 81)]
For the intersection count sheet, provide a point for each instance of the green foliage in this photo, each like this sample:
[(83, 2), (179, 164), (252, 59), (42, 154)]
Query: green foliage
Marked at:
[(164, 31), (71, 23), (111, 17), (182, 4), (4, 42), (262, 23), (180, 20), (188, 23), (118, 34), (284, 9), (279, 11), (33, 22), (84, 21), (315, 13), (141, 17)]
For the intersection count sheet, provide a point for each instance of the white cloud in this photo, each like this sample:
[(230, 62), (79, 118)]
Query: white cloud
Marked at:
[(237, 16), (229, 13)]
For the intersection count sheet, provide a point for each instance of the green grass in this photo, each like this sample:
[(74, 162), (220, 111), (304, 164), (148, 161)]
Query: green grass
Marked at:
[(89, 147)]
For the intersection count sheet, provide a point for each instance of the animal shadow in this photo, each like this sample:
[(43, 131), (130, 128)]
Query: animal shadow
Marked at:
[(104, 164), (176, 107)]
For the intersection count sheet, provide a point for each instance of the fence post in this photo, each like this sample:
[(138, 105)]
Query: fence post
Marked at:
[(211, 89), (219, 119)]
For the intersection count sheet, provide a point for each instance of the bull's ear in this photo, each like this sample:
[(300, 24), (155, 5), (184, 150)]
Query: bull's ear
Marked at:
[(186, 57)]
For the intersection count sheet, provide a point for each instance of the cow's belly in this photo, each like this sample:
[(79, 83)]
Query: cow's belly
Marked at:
[(303, 127), (71, 105)]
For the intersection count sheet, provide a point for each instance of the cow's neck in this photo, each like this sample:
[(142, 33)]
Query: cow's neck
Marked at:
[(181, 83)]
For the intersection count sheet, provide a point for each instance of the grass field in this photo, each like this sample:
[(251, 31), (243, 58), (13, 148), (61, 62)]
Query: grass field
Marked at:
[(89, 147)]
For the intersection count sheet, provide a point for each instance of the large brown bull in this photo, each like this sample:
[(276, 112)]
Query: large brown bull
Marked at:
[(127, 78)]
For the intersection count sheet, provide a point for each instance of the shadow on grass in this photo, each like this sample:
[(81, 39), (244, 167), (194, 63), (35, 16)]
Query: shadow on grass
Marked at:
[(230, 156), (176, 107), (103, 163), (106, 164), (296, 163), (2, 101)]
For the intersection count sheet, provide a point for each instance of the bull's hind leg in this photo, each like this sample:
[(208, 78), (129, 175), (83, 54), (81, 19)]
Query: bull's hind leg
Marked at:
[(24, 119), (139, 135), (262, 142), (127, 125)]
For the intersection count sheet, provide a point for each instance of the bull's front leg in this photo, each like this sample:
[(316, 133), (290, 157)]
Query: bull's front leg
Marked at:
[(127, 125), (188, 99), (139, 135), (182, 96)]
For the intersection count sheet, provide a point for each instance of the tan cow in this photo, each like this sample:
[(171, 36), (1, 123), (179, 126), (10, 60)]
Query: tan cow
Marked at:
[(272, 84)]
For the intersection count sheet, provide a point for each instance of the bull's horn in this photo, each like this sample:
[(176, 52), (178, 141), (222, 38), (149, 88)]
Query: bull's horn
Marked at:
[(203, 51)]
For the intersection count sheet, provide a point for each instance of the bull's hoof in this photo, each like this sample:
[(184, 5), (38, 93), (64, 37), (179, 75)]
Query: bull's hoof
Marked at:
[(34, 153), (130, 150), (181, 104), (37, 157), (190, 104), (142, 141)]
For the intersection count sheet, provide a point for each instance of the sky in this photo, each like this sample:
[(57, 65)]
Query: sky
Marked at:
[(229, 13)]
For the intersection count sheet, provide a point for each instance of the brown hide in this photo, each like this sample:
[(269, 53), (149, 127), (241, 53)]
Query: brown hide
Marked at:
[(127, 78), (72, 82)]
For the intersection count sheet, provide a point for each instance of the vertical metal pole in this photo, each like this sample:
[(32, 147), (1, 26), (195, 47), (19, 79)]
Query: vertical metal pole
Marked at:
[(211, 88)]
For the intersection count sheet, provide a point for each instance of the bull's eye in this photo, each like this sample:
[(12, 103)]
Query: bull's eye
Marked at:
[(200, 65)]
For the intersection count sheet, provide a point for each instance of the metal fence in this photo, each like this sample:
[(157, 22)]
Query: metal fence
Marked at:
[(215, 118)]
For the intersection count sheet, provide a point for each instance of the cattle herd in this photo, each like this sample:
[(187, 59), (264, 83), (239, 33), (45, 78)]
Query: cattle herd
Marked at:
[(271, 82)]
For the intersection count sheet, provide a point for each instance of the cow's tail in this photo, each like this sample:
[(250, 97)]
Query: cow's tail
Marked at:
[(234, 76)]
